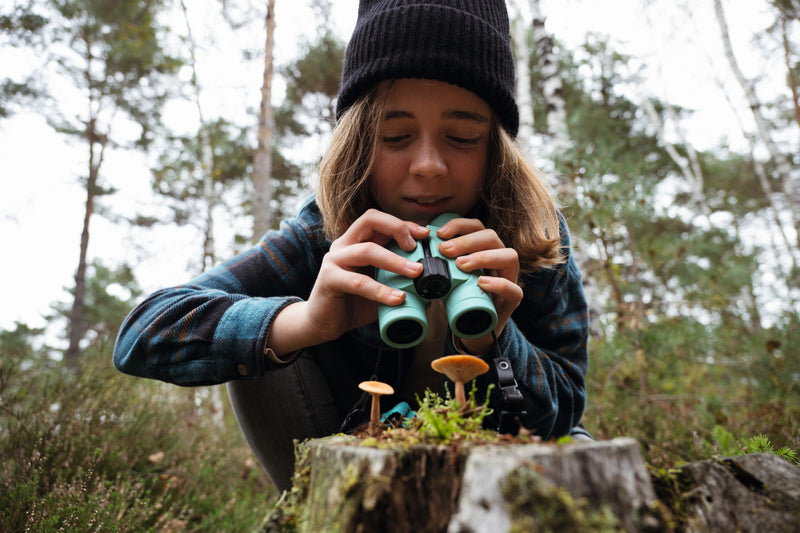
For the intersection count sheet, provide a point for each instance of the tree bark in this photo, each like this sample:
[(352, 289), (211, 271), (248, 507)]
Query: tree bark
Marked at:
[(690, 166), (556, 107), (347, 486), (781, 162), (94, 139), (523, 67), (262, 172), (756, 492)]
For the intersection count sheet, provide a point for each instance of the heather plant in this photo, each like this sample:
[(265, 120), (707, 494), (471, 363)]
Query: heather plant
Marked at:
[(93, 450)]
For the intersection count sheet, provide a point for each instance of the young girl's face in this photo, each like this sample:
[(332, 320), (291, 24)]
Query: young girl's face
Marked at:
[(433, 150)]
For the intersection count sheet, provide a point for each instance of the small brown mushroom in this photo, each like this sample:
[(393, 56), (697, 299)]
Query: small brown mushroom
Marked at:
[(376, 389), (460, 369)]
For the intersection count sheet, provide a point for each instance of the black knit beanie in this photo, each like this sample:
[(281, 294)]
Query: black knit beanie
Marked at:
[(463, 42)]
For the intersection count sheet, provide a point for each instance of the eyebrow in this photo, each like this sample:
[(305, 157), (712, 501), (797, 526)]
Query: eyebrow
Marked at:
[(448, 113)]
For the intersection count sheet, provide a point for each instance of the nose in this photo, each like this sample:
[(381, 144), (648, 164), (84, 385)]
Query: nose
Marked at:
[(427, 160)]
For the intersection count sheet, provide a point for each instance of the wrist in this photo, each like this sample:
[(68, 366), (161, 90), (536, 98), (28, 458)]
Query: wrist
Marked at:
[(289, 333)]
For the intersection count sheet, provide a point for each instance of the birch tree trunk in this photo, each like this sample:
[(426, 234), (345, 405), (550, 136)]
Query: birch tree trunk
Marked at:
[(551, 79), (763, 179), (206, 152), (690, 166), (781, 162), (790, 77), (523, 66), (262, 172)]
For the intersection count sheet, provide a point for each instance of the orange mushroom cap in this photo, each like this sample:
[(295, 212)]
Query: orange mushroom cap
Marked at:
[(461, 368), (376, 387)]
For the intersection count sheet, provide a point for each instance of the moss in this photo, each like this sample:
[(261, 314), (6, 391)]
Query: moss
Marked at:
[(288, 513), (537, 505), (671, 487)]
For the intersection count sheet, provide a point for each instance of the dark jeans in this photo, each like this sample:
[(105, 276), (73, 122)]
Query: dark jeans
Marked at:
[(306, 399)]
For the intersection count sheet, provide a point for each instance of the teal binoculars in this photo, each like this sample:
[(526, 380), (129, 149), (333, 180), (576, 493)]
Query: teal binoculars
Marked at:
[(470, 311)]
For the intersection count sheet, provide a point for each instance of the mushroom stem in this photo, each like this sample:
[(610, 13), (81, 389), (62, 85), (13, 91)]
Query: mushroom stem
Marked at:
[(375, 412), (461, 396)]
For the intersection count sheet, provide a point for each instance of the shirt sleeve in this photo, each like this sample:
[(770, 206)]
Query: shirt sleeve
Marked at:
[(546, 342), (215, 328)]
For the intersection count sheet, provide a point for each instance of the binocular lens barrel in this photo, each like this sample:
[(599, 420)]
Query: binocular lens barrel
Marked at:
[(404, 332), (474, 322)]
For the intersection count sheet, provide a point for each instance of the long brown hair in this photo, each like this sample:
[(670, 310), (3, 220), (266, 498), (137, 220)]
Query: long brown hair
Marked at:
[(516, 201)]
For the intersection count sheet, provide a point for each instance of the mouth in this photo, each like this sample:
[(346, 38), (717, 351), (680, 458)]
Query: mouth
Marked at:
[(428, 201)]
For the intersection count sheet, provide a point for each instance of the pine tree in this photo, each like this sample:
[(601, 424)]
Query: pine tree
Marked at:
[(111, 54)]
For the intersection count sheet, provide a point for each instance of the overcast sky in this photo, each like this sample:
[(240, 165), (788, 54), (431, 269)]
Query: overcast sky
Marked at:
[(41, 206)]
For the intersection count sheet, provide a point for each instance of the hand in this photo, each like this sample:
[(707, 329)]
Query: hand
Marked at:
[(345, 295), (476, 247)]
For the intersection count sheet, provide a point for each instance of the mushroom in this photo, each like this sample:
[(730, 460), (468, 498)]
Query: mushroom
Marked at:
[(376, 389), (460, 369)]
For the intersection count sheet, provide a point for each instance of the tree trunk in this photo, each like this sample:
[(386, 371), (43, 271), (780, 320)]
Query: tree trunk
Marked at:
[(790, 78), (76, 322), (262, 172), (690, 166), (77, 328), (551, 79), (781, 162), (519, 33)]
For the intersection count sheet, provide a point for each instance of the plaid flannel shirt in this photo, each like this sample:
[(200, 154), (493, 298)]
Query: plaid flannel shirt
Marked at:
[(216, 328)]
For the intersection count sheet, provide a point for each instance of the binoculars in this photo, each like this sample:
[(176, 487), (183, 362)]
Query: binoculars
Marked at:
[(470, 311)]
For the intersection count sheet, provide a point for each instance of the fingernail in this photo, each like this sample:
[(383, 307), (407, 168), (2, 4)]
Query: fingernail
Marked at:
[(398, 295), (414, 266), (446, 245)]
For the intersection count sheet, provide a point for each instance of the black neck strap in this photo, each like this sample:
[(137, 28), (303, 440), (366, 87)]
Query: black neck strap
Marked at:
[(511, 413)]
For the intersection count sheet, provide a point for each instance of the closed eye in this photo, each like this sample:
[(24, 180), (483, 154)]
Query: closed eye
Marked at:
[(463, 140)]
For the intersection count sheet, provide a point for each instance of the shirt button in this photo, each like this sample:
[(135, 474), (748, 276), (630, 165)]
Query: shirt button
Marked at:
[(242, 370)]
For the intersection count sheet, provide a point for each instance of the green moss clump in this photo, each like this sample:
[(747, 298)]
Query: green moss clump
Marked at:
[(287, 514), (538, 505)]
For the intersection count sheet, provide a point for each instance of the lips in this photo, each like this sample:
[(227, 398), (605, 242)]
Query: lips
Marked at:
[(428, 201)]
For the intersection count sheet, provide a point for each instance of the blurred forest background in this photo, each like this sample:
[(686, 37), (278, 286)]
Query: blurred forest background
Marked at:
[(689, 250)]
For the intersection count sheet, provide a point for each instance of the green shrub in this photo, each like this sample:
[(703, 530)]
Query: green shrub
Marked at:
[(95, 450)]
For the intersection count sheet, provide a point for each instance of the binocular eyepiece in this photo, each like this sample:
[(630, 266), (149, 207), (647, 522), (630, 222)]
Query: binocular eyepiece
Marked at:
[(470, 311)]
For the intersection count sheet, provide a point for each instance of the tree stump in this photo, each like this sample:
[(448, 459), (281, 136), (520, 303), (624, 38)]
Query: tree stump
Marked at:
[(505, 486), (758, 492), (344, 485), (352, 485)]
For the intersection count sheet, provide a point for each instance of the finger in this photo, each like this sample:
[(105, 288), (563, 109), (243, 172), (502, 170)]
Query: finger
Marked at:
[(348, 282), (459, 226), (483, 239), (381, 228), (508, 294), (502, 261), (370, 254)]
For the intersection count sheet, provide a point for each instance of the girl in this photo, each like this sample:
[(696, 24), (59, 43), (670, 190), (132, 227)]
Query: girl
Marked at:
[(426, 125)]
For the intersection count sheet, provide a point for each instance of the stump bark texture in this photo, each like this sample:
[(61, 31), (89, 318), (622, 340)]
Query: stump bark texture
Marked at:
[(758, 492), (343, 485)]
